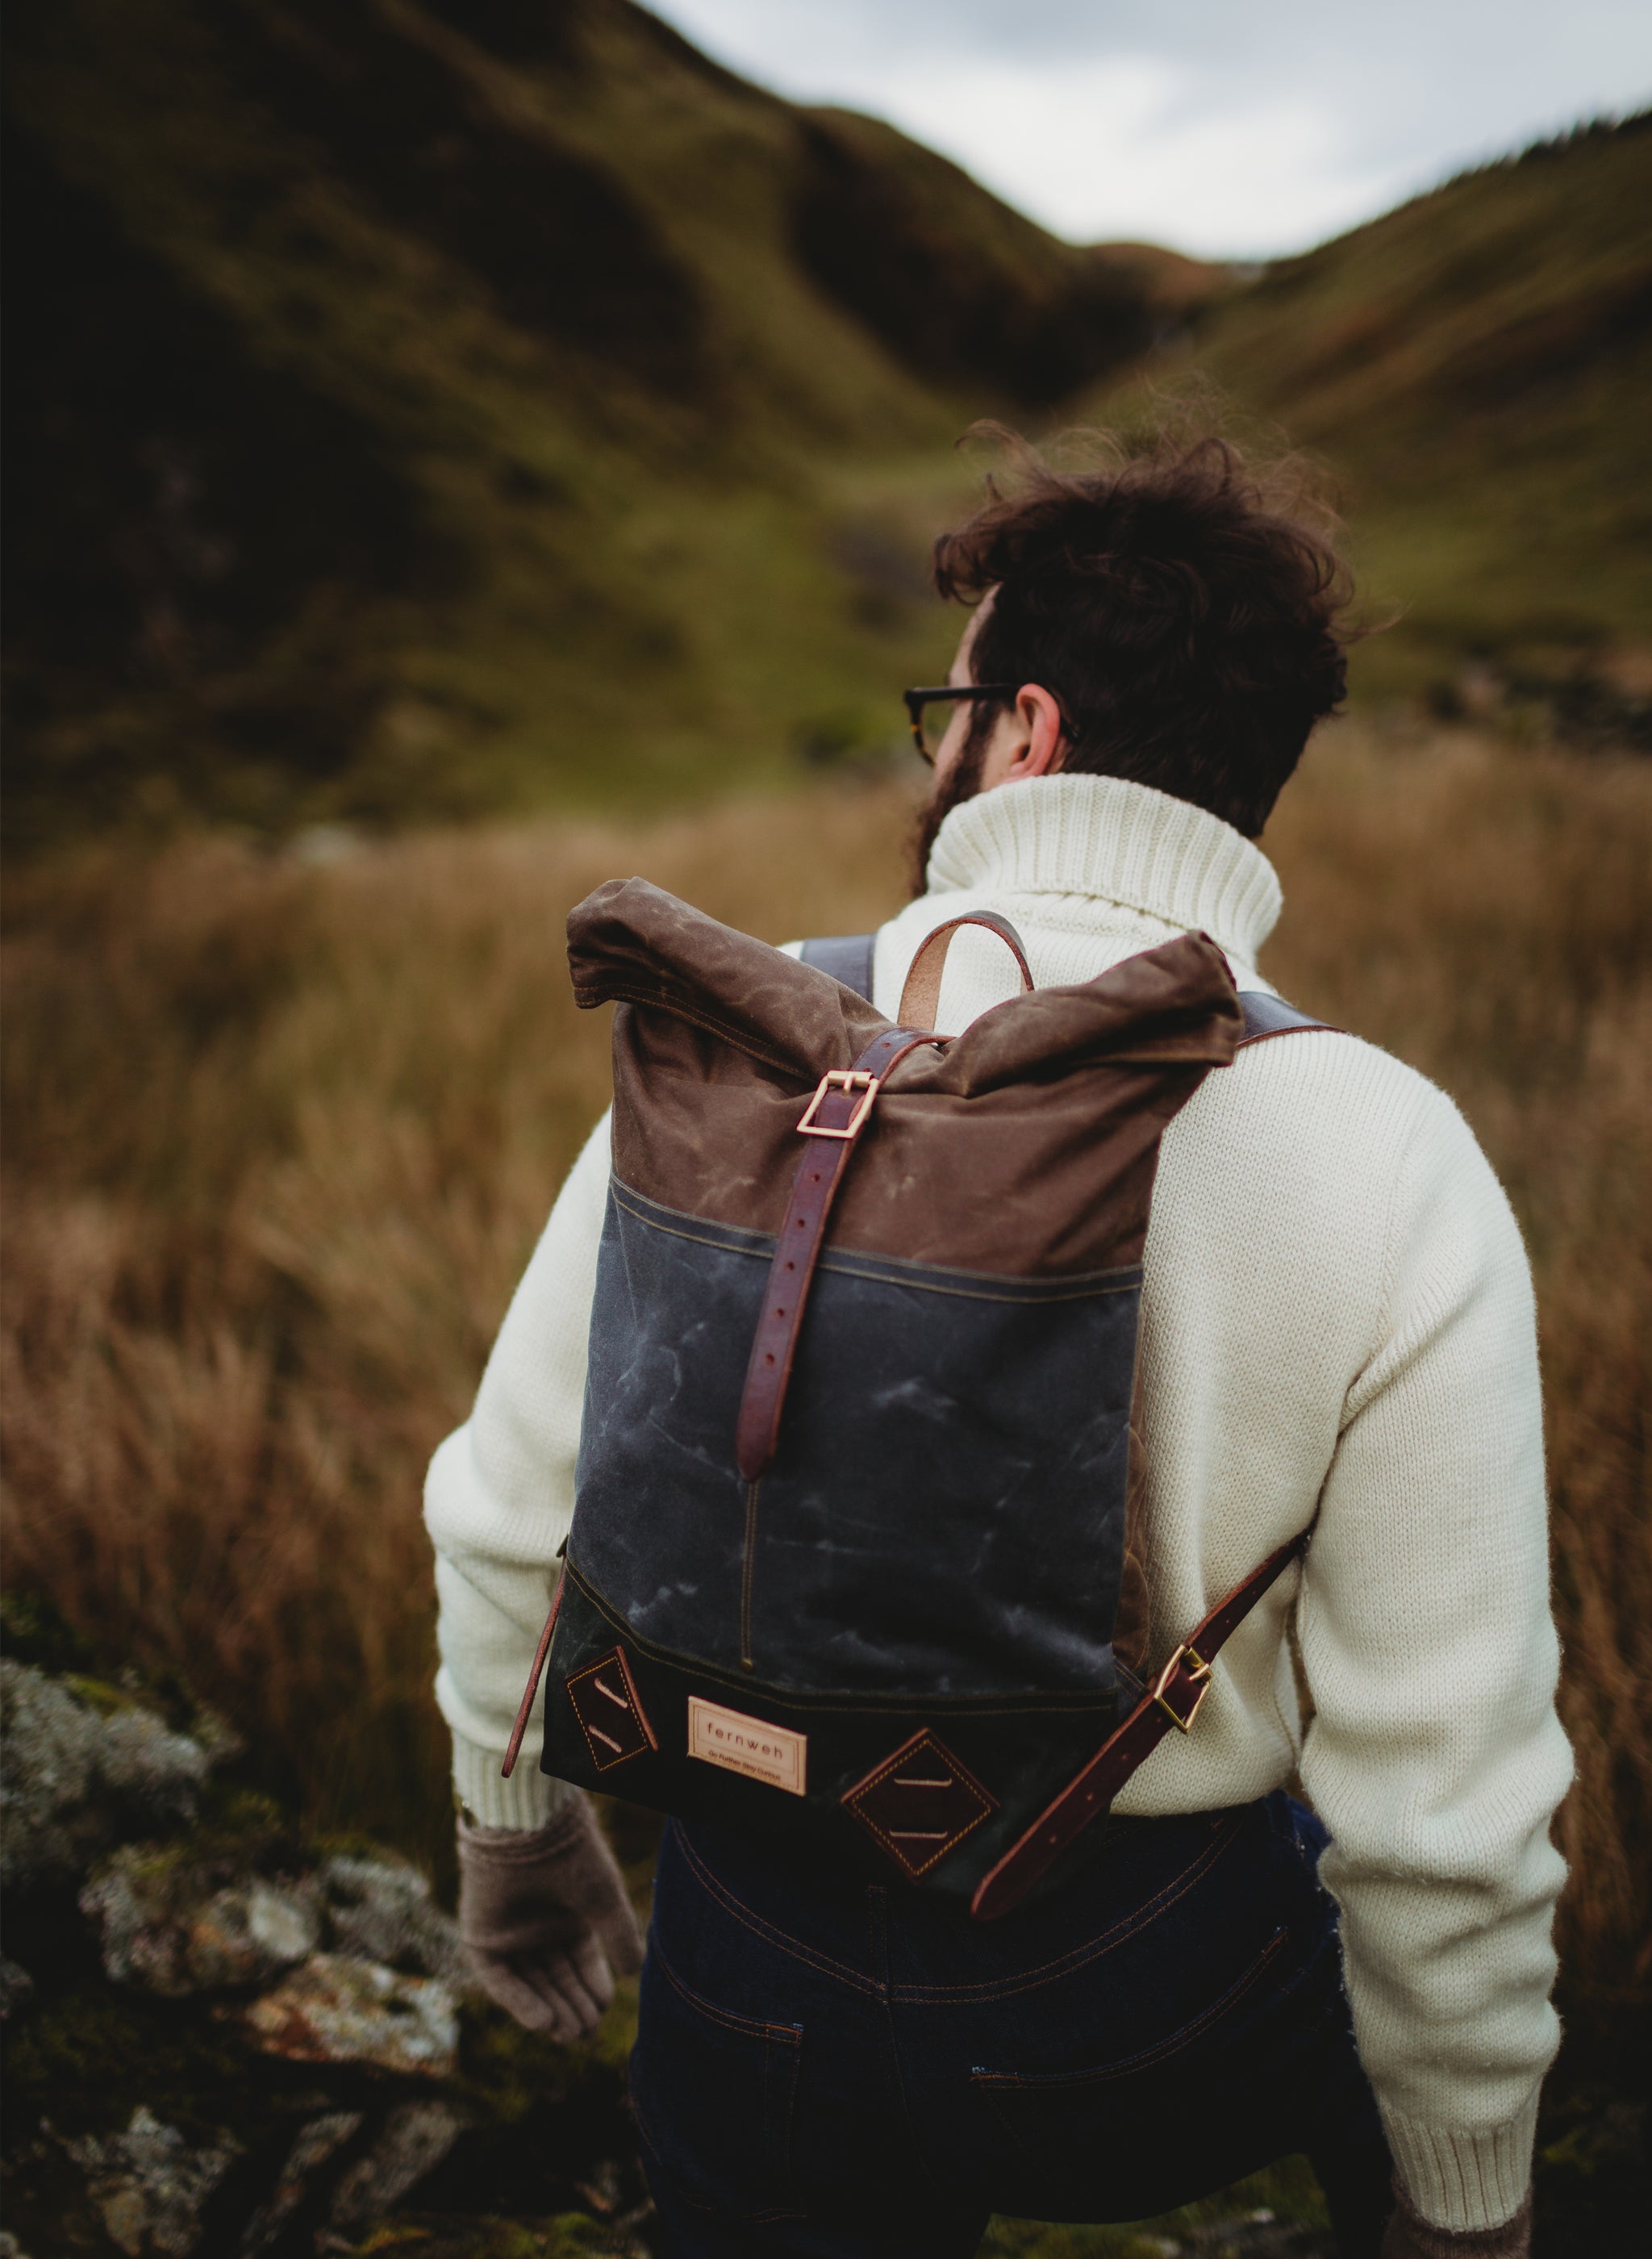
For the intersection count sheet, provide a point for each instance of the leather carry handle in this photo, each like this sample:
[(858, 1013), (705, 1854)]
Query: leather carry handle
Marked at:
[(921, 997), (1172, 1700), (832, 1123)]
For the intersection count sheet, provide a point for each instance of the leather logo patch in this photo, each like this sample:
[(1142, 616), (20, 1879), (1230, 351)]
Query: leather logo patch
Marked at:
[(606, 1703), (747, 1745), (920, 1803)]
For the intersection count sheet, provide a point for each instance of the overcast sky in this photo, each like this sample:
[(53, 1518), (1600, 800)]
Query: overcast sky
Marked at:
[(1230, 128)]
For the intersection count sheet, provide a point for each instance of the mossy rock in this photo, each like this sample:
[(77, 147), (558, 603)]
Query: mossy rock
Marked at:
[(568, 2235), (82, 2062)]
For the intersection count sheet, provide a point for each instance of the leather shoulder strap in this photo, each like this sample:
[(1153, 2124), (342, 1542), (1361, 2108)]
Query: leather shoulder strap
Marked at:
[(1268, 1015), (848, 958), (844, 956), (1172, 1700)]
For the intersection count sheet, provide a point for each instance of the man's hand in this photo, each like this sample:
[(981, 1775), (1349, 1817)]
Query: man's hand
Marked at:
[(1412, 2237), (544, 1919)]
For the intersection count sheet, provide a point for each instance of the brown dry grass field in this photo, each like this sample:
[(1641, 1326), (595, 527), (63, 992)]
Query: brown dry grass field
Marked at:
[(281, 1134)]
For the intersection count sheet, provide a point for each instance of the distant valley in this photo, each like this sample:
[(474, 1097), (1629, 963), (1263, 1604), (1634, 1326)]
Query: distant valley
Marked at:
[(418, 411)]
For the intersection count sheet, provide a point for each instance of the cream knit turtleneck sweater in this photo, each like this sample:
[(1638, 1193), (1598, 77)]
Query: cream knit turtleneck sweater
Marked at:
[(1337, 1314)]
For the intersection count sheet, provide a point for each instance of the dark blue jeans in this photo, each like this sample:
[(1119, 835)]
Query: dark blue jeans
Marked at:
[(860, 2071)]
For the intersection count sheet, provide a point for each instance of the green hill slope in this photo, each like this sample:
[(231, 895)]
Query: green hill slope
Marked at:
[(1477, 368), (416, 408)]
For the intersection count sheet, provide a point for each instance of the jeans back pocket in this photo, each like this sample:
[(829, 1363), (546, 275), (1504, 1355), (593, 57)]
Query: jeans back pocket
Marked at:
[(713, 2093), (1069, 2126)]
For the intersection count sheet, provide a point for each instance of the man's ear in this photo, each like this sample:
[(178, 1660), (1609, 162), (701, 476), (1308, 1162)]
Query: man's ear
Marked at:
[(1040, 750)]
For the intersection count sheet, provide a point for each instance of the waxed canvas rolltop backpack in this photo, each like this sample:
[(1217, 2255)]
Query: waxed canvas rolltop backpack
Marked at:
[(849, 1530)]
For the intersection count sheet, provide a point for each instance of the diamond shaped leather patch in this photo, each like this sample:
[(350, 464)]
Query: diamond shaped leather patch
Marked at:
[(608, 1707), (920, 1803)]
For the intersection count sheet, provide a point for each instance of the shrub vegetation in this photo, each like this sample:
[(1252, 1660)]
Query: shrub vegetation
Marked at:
[(283, 1132)]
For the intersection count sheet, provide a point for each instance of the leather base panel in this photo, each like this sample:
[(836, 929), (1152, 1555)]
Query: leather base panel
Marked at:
[(894, 1788), (604, 1700), (920, 1804)]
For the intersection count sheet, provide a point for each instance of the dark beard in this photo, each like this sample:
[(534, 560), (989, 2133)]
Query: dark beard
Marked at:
[(962, 782)]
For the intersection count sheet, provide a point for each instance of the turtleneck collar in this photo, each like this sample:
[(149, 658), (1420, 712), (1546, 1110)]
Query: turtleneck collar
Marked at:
[(1112, 841)]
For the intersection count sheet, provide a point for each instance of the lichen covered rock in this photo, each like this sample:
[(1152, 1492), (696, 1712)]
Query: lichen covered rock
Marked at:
[(337, 2009), (174, 1925), (223, 2037), (415, 2140), (149, 2185), (382, 1909), (317, 2143), (84, 1768)]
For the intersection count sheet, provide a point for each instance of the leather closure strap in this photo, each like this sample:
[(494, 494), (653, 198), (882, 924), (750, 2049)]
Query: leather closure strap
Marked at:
[(513, 1749), (833, 1123), (1172, 1701), (921, 997)]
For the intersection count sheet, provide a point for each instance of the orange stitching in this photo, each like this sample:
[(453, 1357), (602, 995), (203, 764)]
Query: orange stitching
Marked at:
[(904, 1863), (1065, 2082), (1118, 1934), (637, 1700), (964, 1706), (960, 1775), (607, 1764), (996, 1988), (601, 1763), (854, 1262), (792, 1947), (752, 2026)]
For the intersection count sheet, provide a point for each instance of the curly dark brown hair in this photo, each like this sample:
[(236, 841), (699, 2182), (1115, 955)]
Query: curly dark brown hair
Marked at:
[(1187, 612)]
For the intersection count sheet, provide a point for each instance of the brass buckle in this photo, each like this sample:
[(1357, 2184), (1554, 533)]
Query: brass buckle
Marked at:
[(1200, 1675), (845, 1078)]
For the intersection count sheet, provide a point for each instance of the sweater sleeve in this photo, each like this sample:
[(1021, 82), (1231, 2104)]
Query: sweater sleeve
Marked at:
[(499, 1499), (1433, 1754)]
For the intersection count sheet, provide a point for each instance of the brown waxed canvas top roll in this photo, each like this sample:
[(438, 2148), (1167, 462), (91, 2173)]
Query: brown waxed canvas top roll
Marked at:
[(1025, 1147)]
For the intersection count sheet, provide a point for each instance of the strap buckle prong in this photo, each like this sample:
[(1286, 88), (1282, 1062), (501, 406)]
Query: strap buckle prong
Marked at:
[(846, 1080), (1199, 1676)]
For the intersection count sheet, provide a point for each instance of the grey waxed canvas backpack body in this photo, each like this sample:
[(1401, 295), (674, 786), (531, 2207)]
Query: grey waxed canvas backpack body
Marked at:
[(849, 1536)]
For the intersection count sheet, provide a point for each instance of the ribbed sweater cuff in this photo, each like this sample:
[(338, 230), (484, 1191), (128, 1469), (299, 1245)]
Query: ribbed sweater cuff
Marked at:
[(527, 1800), (1460, 2180)]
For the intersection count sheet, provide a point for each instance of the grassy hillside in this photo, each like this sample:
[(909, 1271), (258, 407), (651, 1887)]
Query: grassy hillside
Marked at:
[(1474, 368), (427, 407), (424, 408), (282, 1137)]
